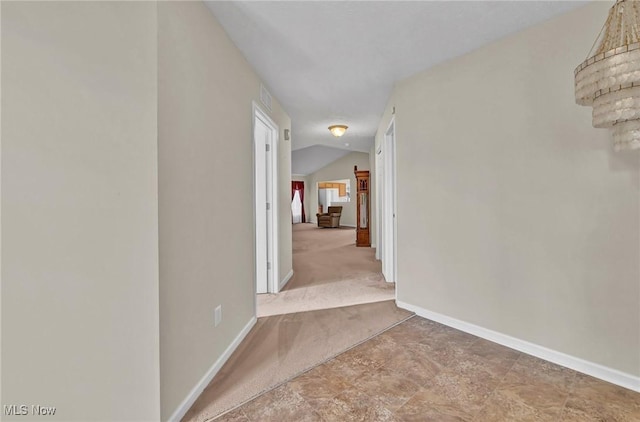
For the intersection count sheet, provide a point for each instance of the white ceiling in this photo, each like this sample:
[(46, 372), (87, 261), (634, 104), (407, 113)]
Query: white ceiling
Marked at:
[(333, 62)]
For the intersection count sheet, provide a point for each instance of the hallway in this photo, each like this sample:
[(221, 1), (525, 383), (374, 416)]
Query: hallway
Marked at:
[(130, 169)]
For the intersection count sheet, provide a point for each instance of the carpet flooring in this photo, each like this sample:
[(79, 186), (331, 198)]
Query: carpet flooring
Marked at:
[(423, 371), (329, 272)]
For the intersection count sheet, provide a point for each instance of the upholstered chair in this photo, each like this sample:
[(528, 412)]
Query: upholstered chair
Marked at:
[(330, 218)]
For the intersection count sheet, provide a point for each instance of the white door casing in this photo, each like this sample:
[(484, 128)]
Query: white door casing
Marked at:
[(265, 143), (389, 221), (379, 163)]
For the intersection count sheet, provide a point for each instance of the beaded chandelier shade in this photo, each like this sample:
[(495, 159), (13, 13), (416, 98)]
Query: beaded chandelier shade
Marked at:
[(609, 80)]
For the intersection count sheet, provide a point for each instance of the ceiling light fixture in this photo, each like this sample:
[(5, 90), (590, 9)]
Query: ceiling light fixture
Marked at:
[(338, 130), (609, 80)]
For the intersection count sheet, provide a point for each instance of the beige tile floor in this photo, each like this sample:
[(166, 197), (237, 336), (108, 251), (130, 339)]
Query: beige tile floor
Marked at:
[(423, 371), (280, 347)]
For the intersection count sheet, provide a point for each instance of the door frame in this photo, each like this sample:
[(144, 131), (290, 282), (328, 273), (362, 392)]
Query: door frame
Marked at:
[(379, 166), (389, 253), (270, 189)]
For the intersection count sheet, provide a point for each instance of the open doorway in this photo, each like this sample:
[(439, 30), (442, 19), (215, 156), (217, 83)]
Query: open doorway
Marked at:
[(329, 270)]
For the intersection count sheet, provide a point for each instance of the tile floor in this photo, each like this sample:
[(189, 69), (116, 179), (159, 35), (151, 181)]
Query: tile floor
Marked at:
[(423, 371), (279, 347)]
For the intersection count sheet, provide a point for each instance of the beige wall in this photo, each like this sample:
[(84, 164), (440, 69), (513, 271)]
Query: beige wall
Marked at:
[(100, 135), (206, 89), (79, 209), (342, 168), (514, 214)]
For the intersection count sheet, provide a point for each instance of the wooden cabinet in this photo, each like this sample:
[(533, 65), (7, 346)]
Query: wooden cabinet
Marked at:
[(363, 208), (342, 190)]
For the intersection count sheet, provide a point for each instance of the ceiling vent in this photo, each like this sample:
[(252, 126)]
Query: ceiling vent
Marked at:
[(265, 97)]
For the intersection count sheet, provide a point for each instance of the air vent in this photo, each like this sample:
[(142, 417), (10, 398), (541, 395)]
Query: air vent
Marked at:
[(265, 97)]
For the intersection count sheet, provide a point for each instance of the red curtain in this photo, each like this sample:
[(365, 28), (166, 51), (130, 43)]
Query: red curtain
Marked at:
[(299, 186)]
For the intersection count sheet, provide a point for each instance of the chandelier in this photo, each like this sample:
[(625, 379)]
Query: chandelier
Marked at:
[(609, 80)]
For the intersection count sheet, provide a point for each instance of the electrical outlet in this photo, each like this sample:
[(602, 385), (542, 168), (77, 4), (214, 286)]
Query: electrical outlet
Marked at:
[(218, 315)]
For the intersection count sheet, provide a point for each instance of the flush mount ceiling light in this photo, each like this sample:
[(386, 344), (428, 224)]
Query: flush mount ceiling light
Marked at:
[(609, 80), (338, 130)]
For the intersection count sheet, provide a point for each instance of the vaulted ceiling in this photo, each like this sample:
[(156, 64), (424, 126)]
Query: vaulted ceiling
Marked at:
[(333, 62)]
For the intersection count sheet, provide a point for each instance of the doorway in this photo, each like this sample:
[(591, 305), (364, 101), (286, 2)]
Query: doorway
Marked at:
[(265, 145), (388, 205)]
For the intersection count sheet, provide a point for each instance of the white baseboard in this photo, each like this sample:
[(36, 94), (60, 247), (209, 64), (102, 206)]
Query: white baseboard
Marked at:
[(285, 280), (347, 225), (208, 376), (605, 373)]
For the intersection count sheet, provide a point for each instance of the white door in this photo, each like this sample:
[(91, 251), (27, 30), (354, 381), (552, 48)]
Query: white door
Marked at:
[(265, 134), (389, 253)]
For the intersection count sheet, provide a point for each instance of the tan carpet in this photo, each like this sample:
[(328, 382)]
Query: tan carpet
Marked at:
[(284, 346), (329, 272)]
